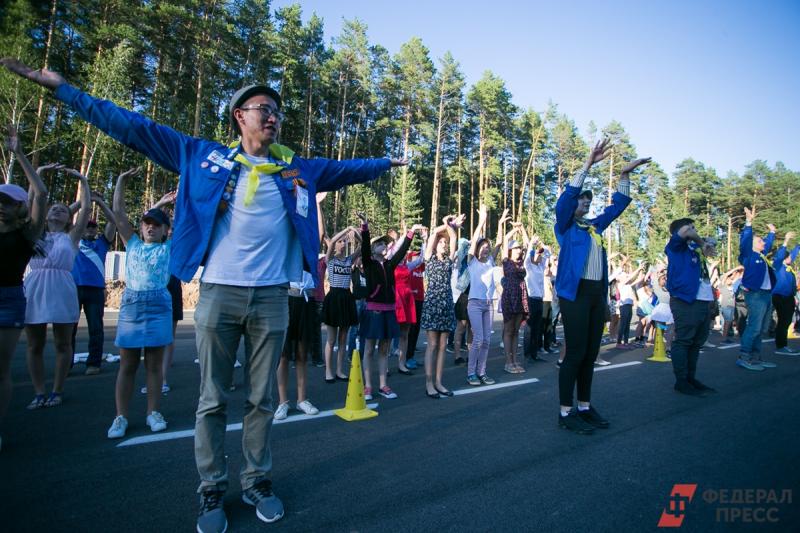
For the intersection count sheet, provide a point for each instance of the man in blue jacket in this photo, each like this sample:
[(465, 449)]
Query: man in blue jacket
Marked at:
[(582, 287), (247, 213), (757, 283), (691, 295), (783, 293)]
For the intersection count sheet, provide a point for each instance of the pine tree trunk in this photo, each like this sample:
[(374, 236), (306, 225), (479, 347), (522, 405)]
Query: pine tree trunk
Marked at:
[(37, 131), (437, 170)]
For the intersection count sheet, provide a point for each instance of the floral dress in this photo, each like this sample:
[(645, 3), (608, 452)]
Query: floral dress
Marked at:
[(515, 293), (438, 310)]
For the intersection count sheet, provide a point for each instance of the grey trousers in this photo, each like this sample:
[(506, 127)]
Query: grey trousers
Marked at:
[(224, 314)]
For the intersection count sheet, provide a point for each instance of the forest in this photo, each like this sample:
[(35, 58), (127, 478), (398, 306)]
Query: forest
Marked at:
[(179, 61)]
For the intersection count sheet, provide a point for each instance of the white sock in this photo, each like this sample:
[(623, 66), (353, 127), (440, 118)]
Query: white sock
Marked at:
[(583, 406), (564, 412)]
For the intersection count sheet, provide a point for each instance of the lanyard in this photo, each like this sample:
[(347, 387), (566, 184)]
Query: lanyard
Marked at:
[(704, 275)]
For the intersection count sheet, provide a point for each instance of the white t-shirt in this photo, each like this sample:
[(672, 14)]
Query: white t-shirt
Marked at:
[(704, 292), (534, 275), (254, 245), (481, 279)]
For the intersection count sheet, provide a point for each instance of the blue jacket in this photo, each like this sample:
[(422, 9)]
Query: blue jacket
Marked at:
[(575, 243), (785, 282), (683, 268), (754, 265), (205, 167)]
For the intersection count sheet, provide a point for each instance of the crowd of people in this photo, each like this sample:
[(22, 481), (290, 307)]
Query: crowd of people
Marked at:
[(277, 285)]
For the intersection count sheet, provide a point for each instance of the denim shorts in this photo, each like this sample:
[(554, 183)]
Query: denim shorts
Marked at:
[(145, 319), (12, 307)]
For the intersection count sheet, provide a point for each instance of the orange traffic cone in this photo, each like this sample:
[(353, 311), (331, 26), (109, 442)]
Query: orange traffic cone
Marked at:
[(659, 349), (355, 407)]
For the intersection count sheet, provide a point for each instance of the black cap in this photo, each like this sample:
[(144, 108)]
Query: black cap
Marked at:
[(241, 96), (587, 193), (156, 215)]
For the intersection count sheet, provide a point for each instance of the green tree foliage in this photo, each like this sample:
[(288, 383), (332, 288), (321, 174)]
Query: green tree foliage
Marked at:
[(178, 62)]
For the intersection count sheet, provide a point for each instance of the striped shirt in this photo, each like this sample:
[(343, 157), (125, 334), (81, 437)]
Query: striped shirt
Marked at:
[(593, 270), (339, 272)]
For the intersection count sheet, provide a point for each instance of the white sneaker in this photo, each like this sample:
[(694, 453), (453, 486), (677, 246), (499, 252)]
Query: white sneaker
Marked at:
[(307, 408), (709, 345), (156, 422), (282, 411), (118, 428)]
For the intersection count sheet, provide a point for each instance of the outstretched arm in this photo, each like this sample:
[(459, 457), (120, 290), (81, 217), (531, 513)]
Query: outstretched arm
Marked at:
[(111, 219), (120, 212), (85, 211), (501, 227), (38, 203), (157, 142), (476, 234)]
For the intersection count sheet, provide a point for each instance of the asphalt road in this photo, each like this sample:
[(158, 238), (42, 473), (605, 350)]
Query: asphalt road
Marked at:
[(491, 460)]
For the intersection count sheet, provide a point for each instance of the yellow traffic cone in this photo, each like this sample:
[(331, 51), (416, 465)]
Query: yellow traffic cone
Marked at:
[(659, 349), (355, 407)]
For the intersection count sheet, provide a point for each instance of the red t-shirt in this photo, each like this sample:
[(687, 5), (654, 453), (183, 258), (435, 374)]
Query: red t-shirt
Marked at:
[(417, 284)]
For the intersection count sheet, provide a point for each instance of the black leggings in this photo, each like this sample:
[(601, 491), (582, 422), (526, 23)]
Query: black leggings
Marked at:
[(625, 315), (784, 305), (583, 321)]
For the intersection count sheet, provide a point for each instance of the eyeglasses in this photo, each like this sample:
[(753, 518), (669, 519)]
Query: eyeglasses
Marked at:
[(266, 111)]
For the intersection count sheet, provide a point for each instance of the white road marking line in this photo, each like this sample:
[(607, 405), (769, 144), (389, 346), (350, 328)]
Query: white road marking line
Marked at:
[(618, 365), (730, 346), (172, 435), (485, 388)]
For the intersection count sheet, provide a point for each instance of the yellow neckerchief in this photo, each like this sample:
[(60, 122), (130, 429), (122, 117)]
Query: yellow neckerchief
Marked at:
[(763, 257), (277, 151), (789, 269), (592, 233)]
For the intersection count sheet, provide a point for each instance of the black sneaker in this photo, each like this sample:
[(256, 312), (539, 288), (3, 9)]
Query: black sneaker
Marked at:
[(593, 417), (211, 518), (684, 387), (459, 361), (697, 384), (575, 423)]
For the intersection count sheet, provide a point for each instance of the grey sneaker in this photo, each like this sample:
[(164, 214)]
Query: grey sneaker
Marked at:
[(785, 351), (211, 518), (486, 380), (268, 507), (765, 364), (749, 365)]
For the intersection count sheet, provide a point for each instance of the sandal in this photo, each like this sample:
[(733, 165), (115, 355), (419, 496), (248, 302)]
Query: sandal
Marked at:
[(38, 402), (54, 400)]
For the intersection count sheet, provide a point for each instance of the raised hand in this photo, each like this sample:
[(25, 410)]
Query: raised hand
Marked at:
[(458, 221), (399, 162), (73, 172), (789, 236), (483, 212), (44, 77), (771, 228), (418, 227), (128, 173), (168, 198), (630, 167), (749, 214), (50, 166), (709, 250), (362, 217), (599, 152), (505, 217)]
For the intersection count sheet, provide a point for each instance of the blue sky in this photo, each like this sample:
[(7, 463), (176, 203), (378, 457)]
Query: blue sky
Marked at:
[(716, 81)]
